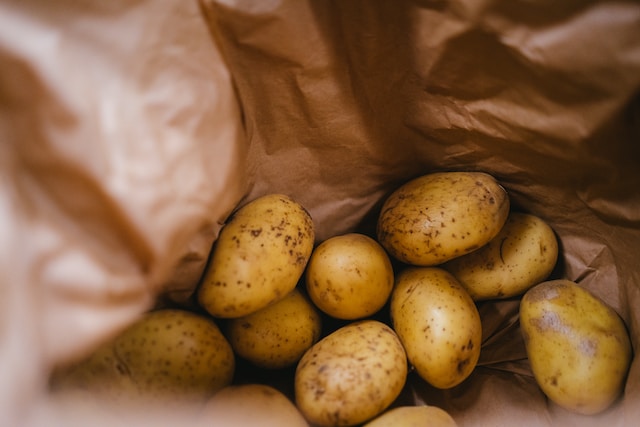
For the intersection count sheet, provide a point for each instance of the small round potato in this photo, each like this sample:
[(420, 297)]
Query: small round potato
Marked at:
[(578, 347), (349, 276), (169, 355), (258, 258), (523, 254), (251, 405), (351, 375), (413, 416), (278, 335), (440, 216), (438, 323)]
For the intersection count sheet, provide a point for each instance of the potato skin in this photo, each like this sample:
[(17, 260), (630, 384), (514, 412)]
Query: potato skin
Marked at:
[(241, 405), (522, 255), (349, 276), (438, 324), (258, 258), (413, 416), (578, 347), (277, 335), (171, 355), (437, 217), (351, 375)]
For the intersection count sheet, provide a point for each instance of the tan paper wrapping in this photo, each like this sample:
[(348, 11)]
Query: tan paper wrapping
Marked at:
[(126, 146), (121, 156), (357, 97)]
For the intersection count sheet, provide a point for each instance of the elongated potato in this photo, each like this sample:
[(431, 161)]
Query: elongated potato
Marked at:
[(258, 258), (171, 356), (578, 347), (440, 216), (277, 335), (438, 324), (523, 254), (351, 375)]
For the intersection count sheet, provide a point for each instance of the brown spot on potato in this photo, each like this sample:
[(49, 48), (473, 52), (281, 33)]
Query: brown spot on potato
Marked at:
[(122, 369), (462, 364), (246, 325)]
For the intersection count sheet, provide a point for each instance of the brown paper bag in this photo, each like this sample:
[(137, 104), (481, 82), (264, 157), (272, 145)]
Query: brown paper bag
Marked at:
[(133, 128), (354, 98), (122, 154)]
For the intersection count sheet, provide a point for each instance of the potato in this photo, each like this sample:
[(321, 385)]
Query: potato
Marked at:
[(349, 276), (523, 254), (440, 216), (278, 335), (413, 416), (438, 323), (258, 258), (578, 347), (170, 355), (351, 375), (250, 405)]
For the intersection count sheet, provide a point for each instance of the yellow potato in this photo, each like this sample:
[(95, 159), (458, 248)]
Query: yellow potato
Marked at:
[(578, 347), (278, 335), (523, 254), (438, 324), (351, 375), (258, 258), (349, 276), (250, 405), (169, 355), (413, 416), (440, 216)]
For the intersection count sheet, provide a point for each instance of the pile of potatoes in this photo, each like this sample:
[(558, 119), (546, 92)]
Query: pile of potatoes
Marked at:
[(443, 242)]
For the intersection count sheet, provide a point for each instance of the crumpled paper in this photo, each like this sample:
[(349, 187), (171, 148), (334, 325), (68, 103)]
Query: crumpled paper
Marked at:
[(134, 128), (357, 98), (122, 154)]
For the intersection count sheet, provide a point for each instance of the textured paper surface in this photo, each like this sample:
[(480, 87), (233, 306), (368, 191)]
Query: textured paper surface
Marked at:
[(122, 154), (128, 126), (356, 98)]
